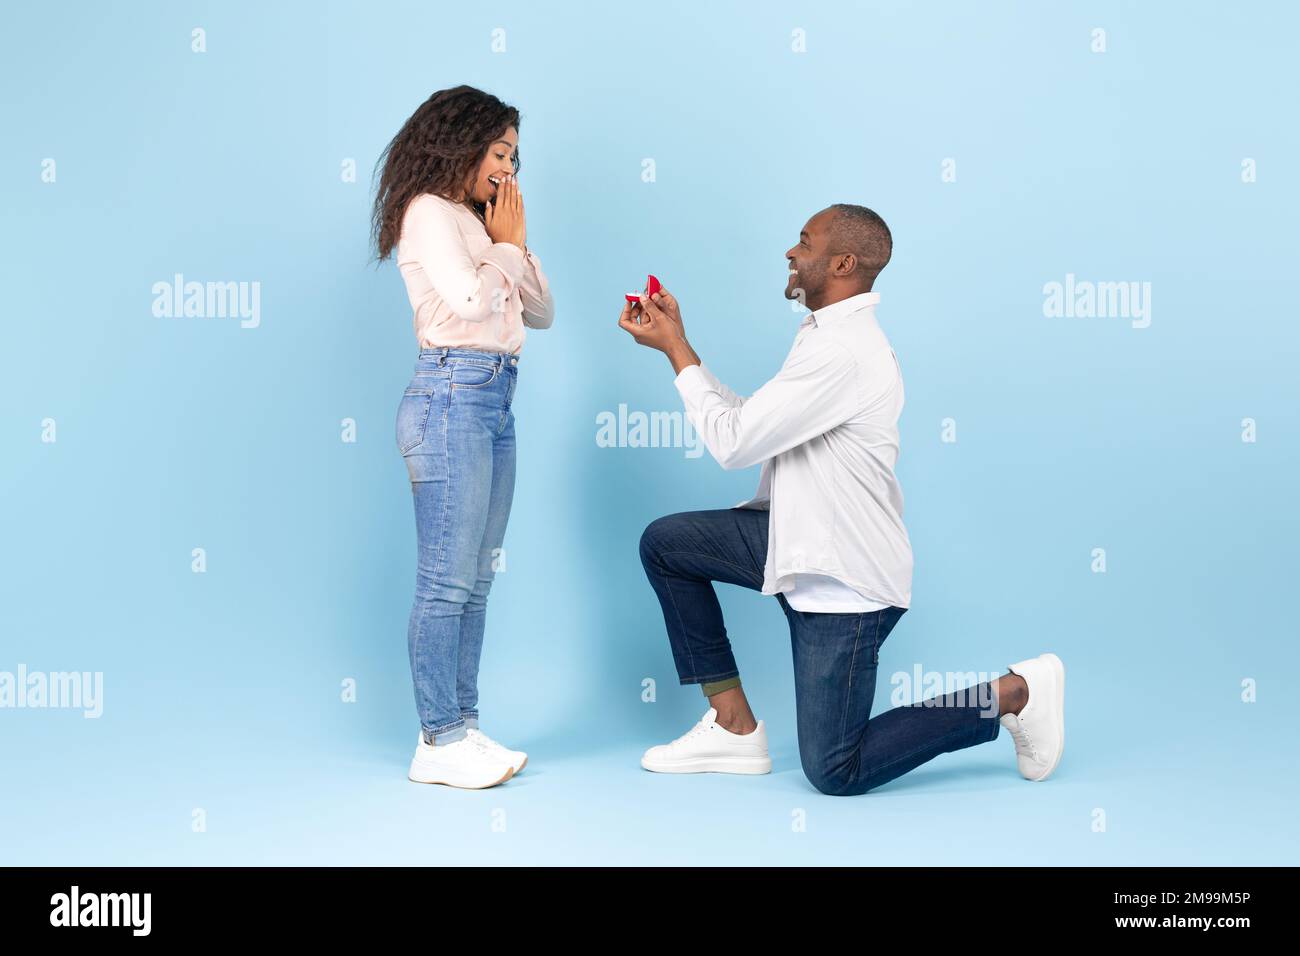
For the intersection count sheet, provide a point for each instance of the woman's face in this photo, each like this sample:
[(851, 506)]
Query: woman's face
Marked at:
[(497, 163)]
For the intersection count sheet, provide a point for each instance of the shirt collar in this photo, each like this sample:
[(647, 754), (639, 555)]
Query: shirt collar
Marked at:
[(841, 309)]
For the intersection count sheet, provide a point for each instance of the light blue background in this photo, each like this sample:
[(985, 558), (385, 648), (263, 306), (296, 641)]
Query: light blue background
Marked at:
[(222, 690)]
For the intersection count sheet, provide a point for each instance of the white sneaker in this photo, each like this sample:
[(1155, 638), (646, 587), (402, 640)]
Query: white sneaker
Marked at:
[(463, 763), (516, 758), (1039, 728), (709, 748)]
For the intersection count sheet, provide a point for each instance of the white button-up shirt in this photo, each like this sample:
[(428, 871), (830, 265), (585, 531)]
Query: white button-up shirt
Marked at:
[(826, 431)]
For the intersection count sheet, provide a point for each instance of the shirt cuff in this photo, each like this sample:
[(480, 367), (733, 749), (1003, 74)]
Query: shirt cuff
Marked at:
[(691, 381)]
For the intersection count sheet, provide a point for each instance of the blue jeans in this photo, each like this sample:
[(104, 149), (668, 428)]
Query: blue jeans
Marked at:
[(456, 432), (842, 748)]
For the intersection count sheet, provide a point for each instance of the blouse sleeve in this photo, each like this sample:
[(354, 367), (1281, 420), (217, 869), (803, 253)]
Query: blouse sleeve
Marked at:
[(535, 293)]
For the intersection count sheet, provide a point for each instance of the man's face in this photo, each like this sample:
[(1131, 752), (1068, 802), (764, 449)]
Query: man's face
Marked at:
[(809, 261)]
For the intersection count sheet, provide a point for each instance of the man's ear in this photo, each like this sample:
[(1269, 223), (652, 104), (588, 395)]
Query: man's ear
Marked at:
[(844, 265)]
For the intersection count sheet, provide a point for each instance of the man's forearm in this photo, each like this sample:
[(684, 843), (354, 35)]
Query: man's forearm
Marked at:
[(681, 355)]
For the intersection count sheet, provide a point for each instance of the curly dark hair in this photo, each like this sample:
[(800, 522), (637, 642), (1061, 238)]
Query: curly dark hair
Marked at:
[(436, 151)]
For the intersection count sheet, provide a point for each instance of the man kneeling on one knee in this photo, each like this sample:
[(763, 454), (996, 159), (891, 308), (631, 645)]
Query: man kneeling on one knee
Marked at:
[(824, 534)]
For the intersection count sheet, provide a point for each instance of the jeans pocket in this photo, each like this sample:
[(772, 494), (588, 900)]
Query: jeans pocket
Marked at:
[(473, 374), (413, 417)]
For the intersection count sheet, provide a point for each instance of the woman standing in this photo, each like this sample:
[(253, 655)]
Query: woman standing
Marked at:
[(448, 201)]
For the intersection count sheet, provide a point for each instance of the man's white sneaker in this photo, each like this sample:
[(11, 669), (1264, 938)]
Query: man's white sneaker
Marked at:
[(1039, 729), (709, 748), (516, 758), (463, 763)]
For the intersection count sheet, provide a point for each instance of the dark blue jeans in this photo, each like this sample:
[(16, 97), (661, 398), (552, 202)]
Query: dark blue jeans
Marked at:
[(843, 750)]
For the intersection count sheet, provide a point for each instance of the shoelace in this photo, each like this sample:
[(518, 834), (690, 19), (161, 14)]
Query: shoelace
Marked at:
[(695, 731), (485, 742), (1022, 741), (478, 745)]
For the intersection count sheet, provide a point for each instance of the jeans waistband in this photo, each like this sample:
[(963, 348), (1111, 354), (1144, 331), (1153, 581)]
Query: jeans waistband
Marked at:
[(444, 354)]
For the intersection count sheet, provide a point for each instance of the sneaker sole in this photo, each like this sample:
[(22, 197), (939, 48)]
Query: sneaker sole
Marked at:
[(746, 765), (510, 772), (1058, 677)]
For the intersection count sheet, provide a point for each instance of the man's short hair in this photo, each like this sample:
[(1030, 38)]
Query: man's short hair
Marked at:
[(858, 230)]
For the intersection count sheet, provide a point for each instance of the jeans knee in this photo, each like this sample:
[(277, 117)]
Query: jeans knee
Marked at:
[(835, 780), (654, 538), (828, 783), (647, 545), (478, 597), (442, 597)]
